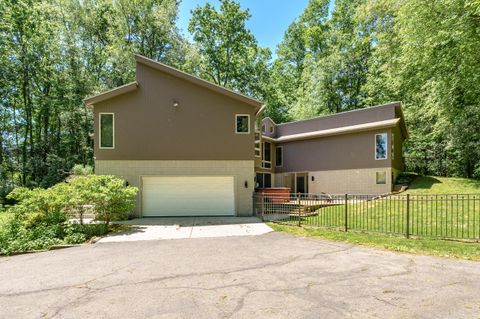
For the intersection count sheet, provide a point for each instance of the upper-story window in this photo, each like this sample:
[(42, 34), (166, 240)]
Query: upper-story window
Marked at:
[(264, 128), (107, 128), (242, 124), (272, 129), (381, 146), (279, 156)]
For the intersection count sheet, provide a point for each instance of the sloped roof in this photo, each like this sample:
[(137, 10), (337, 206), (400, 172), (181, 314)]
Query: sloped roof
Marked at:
[(129, 87), (366, 116), (90, 101), (335, 131), (198, 81)]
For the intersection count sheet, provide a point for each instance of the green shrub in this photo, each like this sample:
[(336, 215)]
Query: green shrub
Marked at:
[(40, 217), (80, 169), (112, 200)]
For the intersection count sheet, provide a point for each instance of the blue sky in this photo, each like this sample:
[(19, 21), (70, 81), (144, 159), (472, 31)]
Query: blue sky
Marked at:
[(270, 18)]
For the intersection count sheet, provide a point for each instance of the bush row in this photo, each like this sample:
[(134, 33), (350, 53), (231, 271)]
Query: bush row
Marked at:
[(41, 217)]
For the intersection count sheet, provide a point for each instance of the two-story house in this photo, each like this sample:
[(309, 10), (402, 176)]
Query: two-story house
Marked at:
[(192, 147)]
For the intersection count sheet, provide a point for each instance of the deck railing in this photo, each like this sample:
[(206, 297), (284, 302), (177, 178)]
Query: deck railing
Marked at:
[(442, 216)]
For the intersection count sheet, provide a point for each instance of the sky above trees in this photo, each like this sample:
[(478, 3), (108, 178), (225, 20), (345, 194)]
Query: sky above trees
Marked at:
[(270, 18)]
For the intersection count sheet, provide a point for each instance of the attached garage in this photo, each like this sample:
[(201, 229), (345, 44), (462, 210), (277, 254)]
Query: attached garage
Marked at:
[(188, 196)]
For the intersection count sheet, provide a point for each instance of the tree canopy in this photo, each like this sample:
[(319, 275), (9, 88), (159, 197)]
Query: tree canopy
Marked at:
[(54, 53)]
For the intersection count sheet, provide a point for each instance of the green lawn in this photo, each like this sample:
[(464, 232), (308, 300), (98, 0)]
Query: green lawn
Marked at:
[(431, 214), (434, 247)]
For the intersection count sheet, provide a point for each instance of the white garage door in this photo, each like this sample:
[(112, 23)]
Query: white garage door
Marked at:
[(188, 196)]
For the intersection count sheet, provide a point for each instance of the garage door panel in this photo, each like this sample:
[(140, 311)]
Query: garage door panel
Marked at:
[(188, 196)]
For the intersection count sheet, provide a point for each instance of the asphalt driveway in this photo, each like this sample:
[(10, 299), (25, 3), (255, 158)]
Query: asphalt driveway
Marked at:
[(269, 276)]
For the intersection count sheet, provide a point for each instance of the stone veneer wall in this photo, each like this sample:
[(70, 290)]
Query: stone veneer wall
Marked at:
[(351, 181), (132, 171)]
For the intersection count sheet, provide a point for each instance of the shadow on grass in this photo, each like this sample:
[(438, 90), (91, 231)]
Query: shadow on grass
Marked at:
[(424, 182)]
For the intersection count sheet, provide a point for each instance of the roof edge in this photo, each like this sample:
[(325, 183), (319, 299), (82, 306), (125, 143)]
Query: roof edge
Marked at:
[(261, 110), (196, 80), (129, 87), (337, 131), (395, 104)]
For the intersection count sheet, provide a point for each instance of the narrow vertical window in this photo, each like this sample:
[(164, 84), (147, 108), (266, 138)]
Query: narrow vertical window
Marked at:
[(266, 155), (279, 156), (242, 124), (258, 141), (107, 127), (381, 146)]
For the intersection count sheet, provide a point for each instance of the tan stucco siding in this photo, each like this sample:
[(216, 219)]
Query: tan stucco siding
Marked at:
[(349, 151), (149, 127), (351, 181), (132, 171)]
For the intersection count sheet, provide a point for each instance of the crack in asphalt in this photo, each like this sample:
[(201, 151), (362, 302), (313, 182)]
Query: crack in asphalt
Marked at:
[(160, 279), (238, 279)]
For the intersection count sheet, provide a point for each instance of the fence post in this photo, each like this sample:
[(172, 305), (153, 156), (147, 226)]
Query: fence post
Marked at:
[(299, 210), (408, 217), (346, 213), (262, 203)]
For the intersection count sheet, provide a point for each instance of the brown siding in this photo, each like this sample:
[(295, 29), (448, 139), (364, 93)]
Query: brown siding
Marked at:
[(268, 125), (397, 161), (352, 151), (367, 115), (148, 127)]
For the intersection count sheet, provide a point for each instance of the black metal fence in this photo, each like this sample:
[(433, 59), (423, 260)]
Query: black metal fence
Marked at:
[(441, 216)]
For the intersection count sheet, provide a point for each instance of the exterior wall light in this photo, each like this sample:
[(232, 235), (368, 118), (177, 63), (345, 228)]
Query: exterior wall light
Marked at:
[(246, 184), (313, 178), (175, 104)]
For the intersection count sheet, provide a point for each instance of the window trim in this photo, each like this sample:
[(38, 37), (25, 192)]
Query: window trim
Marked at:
[(236, 123), (281, 152), (375, 147), (100, 131), (376, 177)]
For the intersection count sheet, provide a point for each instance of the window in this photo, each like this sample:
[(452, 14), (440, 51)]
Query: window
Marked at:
[(266, 158), (263, 180), (264, 130), (242, 124), (381, 177), (279, 156), (258, 150), (107, 127), (381, 146), (271, 129), (393, 146)]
